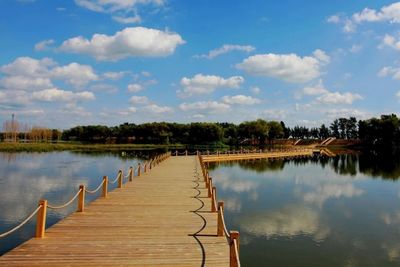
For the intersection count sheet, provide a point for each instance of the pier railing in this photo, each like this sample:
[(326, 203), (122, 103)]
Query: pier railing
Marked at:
[(232, 236), (43, 205)]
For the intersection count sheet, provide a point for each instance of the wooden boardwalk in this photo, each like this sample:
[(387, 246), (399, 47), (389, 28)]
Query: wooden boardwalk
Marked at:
[(160, 218), (264, 155)]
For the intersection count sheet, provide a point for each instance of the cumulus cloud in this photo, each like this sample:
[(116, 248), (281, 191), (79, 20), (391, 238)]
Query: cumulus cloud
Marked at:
[(55, 94), (139, 100), (317, 89), (114, 75), (226, 48), (44, 45), (240, 100), (75, 74), (287, 67), (130, 42), (205, 84), (389, 13), (390, 41), (205, 106), (135, 87), (25, 83), (26, 71), (390, 71), (156, 109), (339, 98), (27, 66)]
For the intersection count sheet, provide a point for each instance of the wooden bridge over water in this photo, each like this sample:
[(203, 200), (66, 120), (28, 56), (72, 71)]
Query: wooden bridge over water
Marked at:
[(166, 213)]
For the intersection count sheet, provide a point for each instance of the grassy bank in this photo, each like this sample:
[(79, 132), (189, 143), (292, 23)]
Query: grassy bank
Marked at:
[(48, 147)]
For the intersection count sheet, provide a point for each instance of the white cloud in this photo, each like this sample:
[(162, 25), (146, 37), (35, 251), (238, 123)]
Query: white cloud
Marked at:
[(398, 95), (205, 84), (130, 42), (226, 48), (25, 83), (205, 106), (287, 67), (334, 19), (26, 66), (128, 20), (317, 89), (390, 41), (27, 71), (114, 75), (322, 56), (339, 98), (274, 114), (55, 94), (135, 87), (255, 90), (156, 109), (115, 5), (240, 100), (75, 74), (44, 45), (332, 114), (390, 71), (389, 13), (139, 100)]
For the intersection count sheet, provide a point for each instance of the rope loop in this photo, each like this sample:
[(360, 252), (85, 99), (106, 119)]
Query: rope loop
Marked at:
[(65, 204), (9, 232)]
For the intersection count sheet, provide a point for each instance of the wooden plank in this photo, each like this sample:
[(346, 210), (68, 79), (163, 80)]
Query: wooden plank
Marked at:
[(149, 221)]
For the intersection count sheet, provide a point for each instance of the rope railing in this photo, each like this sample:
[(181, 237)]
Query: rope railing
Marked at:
[(65, 204), (9, 232), (116, 179), (41, 210), (95, 190), (232, 236)]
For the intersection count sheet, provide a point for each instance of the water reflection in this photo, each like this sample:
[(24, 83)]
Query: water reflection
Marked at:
[(25, 178), (320, 211)]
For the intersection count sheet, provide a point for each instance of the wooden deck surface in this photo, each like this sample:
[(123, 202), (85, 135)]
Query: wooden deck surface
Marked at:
[(150, 221)]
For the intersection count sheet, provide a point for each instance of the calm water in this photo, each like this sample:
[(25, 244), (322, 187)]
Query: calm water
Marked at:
[(26, 178), (321, 212)]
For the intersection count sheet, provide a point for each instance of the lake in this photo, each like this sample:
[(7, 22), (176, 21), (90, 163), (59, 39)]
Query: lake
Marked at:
[(342, 211), (25, 178)]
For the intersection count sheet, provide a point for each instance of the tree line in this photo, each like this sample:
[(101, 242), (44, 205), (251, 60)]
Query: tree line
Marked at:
[(375, 132)]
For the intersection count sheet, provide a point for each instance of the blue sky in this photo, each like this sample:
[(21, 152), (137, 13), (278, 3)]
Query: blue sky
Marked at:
[(67, 63)]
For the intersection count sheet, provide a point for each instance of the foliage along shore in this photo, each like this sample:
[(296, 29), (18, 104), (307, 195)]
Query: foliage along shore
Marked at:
[(49, 147)]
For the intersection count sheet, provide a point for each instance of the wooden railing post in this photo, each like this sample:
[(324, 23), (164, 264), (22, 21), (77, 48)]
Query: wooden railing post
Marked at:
[(209, 188), (139, 169), (234, 237), (105, 186), (213, 199), (220, 227), (130, 174), (145, 167), (120, 177), (41, 219), (81, 200)]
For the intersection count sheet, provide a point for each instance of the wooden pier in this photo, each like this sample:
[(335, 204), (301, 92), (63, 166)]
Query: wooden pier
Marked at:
[(166, 216), (165, 213)]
